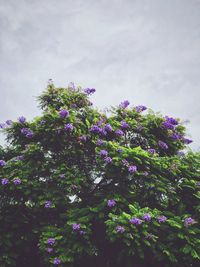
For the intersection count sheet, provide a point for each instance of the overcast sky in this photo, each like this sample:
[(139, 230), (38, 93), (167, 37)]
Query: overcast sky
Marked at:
[(146, 51)]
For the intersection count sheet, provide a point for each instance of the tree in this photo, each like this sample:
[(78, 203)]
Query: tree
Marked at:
[(81, 187)]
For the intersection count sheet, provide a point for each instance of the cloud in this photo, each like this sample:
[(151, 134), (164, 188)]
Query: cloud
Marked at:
[(141, 50)]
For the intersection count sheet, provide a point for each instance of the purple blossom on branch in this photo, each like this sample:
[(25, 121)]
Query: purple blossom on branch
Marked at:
[(103, 153), (49, 250), (17, 181), (124, 125), (120, 229), (135, 221), (132, 169), (48, 204), (119, 132), (51, 241), (9, 122), (99, 142), (57, 261), (4, 181), (140, 108), (189, 221), (2, 163), (151, 150), (171, 120), (187, 141), (27, 132), (167, 125), (108, 159), (21, 119), (162, 144), (76, 226), (161, 219), (147, 217), (95, 129), (111, 203), (108, 128), (68, 127), (124, 104), (89, 91), (64, 113)]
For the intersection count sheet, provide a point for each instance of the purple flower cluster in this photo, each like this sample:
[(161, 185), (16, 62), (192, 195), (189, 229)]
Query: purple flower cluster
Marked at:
[(51, 241), (68, 127), (64, 113), (95, 129), (20, 157), (22, 120), (111, 203), (48, 204), (171, 120), (187, 141), (108, 128), (2, 163), (161, 219), (83, 138), (124, 125), (132, 169), (49, 250), (89, 91), (76, 226), (108, 159), (120, 229), (103, 153), (147, 217), (175, 136), (119, 132), (57, 261), (27, 132), (124, 104), (4, 181), (189, 221), (162, 144), (17, 181), (99, 142), (140, 108), (151, 150), (125, 162), (135, 221), (167, 125)]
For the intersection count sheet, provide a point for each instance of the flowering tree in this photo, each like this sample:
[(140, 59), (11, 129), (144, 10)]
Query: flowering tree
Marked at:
[(80, 187)]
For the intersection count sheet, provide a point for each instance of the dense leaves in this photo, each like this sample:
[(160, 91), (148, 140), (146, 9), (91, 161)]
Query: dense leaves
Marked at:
[(81, 187)]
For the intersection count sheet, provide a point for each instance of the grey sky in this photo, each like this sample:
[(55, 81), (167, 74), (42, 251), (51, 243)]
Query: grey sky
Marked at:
[(146, 51)]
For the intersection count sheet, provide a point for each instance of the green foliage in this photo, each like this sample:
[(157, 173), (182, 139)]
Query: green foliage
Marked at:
[(65, 182)]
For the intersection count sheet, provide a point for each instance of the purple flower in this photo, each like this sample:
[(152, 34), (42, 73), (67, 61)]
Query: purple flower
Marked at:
[(167, 125), (103, 153), (187, 141), (2, 125), (119, 132), (9, 122), (119, 229), (21, 157), (68, 127), (4, 181), (135, 221), (189, 221), (22, 119), (108, 159), (49, 250), (108, 128), (161, 219), (124, 104), (175, 136), (103, 132), (2, 163), (124, 125), (151, 150), (119, 150), (57, 261), (81, 232), (83, 138), (17, 181), (27, 132), (132, 169), (111, 203), (162, 144), (76, 226), (89, 91), (95, 129), (64, 113), (147, 217), (51, 241), (62, 175), (48, 204), (99, 142), (171, 120), (140, 108)]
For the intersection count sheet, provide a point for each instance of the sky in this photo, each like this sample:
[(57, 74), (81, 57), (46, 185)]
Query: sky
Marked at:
[(146, 51)]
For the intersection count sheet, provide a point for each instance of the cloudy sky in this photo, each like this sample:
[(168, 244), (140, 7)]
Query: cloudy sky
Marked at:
[(146, 51)]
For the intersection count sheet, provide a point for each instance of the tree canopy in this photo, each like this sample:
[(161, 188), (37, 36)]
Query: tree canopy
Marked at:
[(82, 187)]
